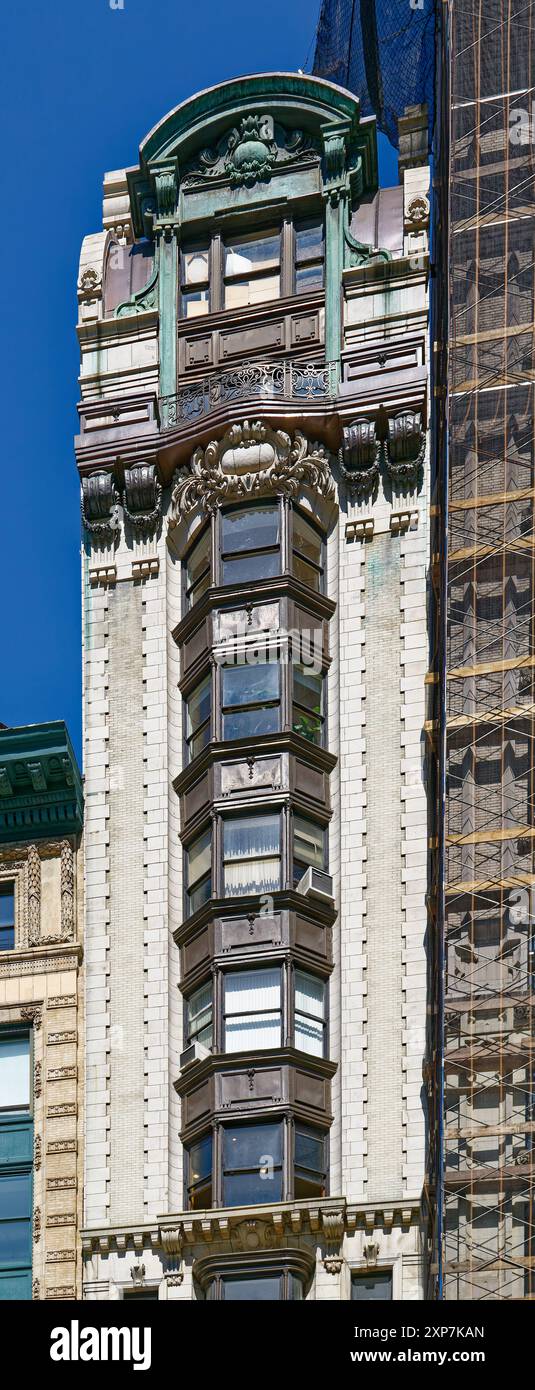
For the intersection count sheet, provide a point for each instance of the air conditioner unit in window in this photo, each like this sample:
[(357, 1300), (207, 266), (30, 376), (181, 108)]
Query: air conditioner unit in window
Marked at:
[(196, 1052), (316, 884)]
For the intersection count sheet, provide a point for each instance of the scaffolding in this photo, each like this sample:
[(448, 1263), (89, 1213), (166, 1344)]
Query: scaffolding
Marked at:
[(481, 1181)]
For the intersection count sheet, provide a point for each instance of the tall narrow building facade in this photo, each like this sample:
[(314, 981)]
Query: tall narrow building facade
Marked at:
[(254, 473)]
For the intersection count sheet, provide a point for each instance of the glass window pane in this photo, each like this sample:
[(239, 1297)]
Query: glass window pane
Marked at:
[(264, 1286), (309, 241), (246, 1146), (255, 252), (306, 540), (251, 528), (195, 304), (251, 684), (199, 857), (254, 876), (251, 835), (198, 706), (372, 1287), (7, 938), (306, 573), (7, 904), (249, 568), (309, 842), (15, 1243), (309, 1151), (199, 1015), (248, 990), (14, 1073), (250, 723), (248, 1189), (260, 1030), (198, 566), (308, 277), (195, 267), (253, 1009), (200, 1160), (310, 994), (258, 291), (15, 1195)]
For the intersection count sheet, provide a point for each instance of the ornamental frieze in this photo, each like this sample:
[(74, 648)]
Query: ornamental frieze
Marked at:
[(250, 152), (250, 461)]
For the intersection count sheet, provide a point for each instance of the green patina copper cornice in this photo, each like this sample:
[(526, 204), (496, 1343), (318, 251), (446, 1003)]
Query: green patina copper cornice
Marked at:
[(40, 784), (322, 111)]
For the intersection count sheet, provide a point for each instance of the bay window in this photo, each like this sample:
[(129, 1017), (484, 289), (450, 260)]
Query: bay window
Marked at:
[(199, 871), (307, 552), (198, 718), (309, 847), (309, 1013), (252, 273), (250, 699), (7, 916), (259, 1163), (251, 854), (252, 1009), (250, 544), (199, 1016), (252, 1164), (198, 568), (308, 704), (279, 1286)]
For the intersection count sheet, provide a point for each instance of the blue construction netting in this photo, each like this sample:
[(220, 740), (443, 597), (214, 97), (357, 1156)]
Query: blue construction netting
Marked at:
[(384, 51)]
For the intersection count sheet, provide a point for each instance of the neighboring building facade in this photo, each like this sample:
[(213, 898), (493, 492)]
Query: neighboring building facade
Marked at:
[(41, 1014), (483, 726), (254, 413)]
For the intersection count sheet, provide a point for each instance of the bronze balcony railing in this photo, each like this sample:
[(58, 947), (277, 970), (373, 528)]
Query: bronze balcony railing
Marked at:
[(263, 381)]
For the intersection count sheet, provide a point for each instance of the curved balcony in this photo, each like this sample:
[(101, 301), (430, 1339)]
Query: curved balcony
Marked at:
[(281, 380)]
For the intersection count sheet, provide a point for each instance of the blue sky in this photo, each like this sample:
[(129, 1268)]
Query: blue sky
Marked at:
[(82, 83)]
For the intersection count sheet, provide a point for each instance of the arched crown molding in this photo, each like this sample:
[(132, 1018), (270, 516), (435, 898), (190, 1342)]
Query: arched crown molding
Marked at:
[(252, 460), (240, 132)]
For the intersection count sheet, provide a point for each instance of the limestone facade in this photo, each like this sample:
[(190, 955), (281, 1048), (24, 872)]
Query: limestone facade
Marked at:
[(315, 402)]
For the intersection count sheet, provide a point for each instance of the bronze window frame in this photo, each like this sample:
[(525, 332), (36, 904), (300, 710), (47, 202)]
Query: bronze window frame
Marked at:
[(291, 260)]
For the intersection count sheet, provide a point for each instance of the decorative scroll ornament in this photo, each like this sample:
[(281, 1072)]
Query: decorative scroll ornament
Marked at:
[(405, 448), (142, 496), (100, 504), (252, 460), (359, 457), (359, 253), (248, 154)]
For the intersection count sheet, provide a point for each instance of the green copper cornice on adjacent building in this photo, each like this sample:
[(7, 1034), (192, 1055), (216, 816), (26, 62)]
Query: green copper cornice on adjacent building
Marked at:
[(40, 783)]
